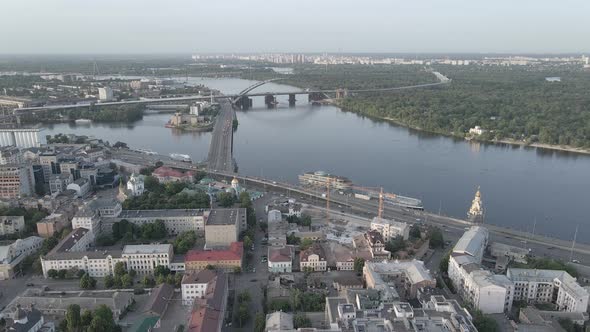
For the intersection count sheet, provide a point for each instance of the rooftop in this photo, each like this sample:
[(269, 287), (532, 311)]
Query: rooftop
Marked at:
[(200, 277), (472, 241), (414, 269), (147, 249), (235, 251), (171, 172), (225, 216), (129, 214), (282, 254), (158, 299), (68, 242)]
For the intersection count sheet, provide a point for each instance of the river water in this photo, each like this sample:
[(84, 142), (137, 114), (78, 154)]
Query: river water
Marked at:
[(519, 185)]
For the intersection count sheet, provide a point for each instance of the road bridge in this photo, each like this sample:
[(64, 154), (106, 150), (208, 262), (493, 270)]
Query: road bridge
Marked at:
[(221, 147)]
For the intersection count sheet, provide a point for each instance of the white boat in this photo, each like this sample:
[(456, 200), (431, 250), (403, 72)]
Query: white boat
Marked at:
[(180, 157), (83, 121)]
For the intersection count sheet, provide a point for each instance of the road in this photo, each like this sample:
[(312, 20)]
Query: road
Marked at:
[(220, 150)]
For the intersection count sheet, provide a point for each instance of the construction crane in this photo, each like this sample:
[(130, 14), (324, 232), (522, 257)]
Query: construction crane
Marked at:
[(378, 192)]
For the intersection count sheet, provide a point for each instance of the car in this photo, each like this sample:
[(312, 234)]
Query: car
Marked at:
[(30, 284), (575, 261)]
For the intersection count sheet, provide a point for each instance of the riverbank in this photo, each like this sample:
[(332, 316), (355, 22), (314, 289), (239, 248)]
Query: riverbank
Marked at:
[(564, 148)]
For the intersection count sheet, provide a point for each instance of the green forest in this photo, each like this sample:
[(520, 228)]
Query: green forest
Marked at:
[(122, 113), (511, 103)]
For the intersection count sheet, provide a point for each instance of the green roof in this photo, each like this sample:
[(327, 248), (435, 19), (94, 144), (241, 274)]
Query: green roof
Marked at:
[(145, 324)]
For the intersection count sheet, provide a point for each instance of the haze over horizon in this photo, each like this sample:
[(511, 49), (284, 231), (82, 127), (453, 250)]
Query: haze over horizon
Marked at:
[(225, 26)]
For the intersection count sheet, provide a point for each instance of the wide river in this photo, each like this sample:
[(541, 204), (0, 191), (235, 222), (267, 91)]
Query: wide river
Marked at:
[(519, 185)]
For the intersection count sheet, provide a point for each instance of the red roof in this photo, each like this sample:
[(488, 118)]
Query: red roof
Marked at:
[(235, 252), (280, 254), (171, 172)]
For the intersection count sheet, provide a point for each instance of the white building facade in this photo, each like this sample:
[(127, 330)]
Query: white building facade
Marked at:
[(144, 258), (549, 286), (390, 229)]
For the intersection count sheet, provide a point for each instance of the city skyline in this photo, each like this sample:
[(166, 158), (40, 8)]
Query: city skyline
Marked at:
[(303, 26)]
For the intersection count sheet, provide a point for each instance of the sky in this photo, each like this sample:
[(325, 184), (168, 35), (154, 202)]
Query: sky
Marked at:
[(248, 26)]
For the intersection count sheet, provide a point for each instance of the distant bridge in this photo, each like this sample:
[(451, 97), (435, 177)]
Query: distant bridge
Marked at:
[(241, 99)]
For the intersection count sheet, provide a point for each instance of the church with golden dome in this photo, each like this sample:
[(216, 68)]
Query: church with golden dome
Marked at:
[(476, 212)]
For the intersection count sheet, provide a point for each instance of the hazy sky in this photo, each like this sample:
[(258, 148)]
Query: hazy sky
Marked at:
[(182, 26)]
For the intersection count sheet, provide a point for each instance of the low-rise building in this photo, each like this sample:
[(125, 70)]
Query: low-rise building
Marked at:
[(194, 285), (11, 224), (516, 254), (224, 259), (209, 312), (59, 182), (406, 277), (279, 321), (176, 220), (377, 245), (145, 258), (135, 185), (27, 320), (10, 155), (81, 186), (57, 304), (88, 218), (166, 174), (390, 229), (549, 286), (13, 254), (280, 260), (313, 259), (51, 224), (223, 227)]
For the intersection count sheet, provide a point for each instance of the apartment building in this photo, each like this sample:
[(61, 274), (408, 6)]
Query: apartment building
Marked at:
[(223, 259), (390, 229), (194, 285), (549, 286), (11, 224), (313, 258)]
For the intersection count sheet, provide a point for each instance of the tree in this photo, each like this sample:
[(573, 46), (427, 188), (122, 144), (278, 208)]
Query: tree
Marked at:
[(86, 318), (295, 296), (244, 297), (120, 269), (226, 199), (237, 269), (396, 244), (52, 273), (161, 270), (484, 323), (306, 243), (415, 232), (73, 319), (359, 263), (243, 314), (301, 320), (210, 267), (184, 242), (126, 281), (444, 264), (259, 322), (87, 282), (148, 282), (436, 238), (61, 274), (247, 242), (109, 281), (305, 220)]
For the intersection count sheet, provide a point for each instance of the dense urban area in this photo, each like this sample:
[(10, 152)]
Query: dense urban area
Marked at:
[(97, 235)]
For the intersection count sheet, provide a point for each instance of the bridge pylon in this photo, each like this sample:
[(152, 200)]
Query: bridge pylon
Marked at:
[(292, 100), (270, 101)]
